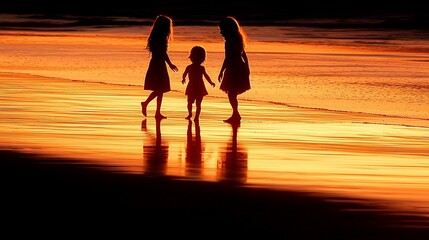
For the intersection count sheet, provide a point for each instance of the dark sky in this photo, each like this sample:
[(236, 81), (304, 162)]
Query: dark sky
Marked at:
[(269, 9), (397, 14)]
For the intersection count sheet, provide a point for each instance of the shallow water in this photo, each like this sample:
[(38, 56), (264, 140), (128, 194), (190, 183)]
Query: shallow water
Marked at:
[(372, 145), (325, 153), (377, 72)]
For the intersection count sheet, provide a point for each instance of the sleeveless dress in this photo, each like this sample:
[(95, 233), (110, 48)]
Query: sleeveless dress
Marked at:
[(237, 76), (157, 78), (196, 88)]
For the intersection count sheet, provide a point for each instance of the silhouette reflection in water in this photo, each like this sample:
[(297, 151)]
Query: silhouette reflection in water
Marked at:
[(155, 151), (194, 151), (232, 162)]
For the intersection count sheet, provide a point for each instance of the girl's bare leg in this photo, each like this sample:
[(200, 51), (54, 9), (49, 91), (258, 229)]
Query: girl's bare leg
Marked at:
[(235, 117), (189, 106), (158, 114), (198, 108), (145, 103)]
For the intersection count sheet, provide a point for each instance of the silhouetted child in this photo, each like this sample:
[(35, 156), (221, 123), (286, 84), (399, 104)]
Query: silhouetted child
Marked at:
[(234, 74), (196, 89), (157, 78)]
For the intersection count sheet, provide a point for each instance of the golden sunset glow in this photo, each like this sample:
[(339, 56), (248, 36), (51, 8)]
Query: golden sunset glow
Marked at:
[(334, 118), (100, 125)]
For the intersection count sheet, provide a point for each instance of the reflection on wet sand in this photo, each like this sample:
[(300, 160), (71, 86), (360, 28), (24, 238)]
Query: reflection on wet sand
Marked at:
[(194, 151), (155, 151), (232, 163)]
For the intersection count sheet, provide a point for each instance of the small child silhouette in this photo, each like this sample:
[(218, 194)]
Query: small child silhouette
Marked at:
[(196, 89)]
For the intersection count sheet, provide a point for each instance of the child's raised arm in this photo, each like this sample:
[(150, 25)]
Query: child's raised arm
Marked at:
[(208, 77), (170, 64), (185, 73)]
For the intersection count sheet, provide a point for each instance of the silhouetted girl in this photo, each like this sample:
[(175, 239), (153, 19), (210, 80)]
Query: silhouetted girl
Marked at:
[(234, 73), (157, 78), (196, 89)]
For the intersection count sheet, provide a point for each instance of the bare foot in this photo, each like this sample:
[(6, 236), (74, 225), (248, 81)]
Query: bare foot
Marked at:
[(233, 119), (144, 108), (160, 116)]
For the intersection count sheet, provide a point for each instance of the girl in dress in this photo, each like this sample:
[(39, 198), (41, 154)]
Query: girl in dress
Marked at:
[(196, 89), (235, 72), (157, 79)]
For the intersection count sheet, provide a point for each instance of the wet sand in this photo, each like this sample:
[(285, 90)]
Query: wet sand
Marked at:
[(65, 195), (77, 149)]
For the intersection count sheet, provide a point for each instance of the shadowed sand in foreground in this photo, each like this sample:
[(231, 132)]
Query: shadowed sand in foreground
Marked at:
[(69, 195), (76, 156)]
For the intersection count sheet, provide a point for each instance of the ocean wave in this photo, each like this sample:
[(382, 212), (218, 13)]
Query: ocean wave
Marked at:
[(367, 117)]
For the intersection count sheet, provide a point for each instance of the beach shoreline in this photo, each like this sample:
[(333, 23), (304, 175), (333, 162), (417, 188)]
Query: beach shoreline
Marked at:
[(276, 147), (333, 141)]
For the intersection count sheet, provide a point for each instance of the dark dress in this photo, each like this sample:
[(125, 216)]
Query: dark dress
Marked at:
[(237, 76), (157, 78), (196, 88)]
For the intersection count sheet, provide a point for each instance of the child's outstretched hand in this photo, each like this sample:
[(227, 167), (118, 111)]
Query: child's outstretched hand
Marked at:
[(213, 84), (174, 68), (220, 77)]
